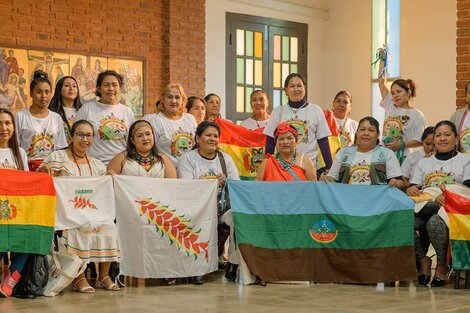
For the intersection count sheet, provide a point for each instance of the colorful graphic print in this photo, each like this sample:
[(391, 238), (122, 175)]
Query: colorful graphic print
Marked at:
[(324, 231), (252, 160), (360, 173), (393, 126), (302, 129), (81, 202), (181, 142), (112, 128), (178, 229), (7, 210), (435, 178), (41, 145), (465, 140)]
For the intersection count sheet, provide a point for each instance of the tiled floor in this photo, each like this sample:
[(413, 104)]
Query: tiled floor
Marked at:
[(217, 295)]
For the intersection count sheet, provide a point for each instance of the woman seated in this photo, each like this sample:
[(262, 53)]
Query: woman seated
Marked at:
[(446, 167), (93, 242), (286, 164), (13, 157), (142, 157), (205, 161), (366, 162)]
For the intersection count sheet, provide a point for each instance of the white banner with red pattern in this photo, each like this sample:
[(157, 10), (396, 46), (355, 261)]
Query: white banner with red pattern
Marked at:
[(167, 227)]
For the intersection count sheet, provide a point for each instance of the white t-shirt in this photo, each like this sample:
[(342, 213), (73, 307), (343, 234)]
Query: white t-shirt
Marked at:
[(360, 167), (407, 124), (347, 130), (39, 137), (464, 139), (430, 171), (411, 162), (111, 124), (7, 160), (70, 115), (252, 124), (194, 166), (173, 137), (310, 123)]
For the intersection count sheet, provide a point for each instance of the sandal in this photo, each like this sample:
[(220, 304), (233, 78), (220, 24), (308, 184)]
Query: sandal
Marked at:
[(110, 286), (84, 289)]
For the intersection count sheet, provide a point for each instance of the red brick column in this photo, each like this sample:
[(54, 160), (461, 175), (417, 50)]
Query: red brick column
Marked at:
[(172, 45), (463, 50)]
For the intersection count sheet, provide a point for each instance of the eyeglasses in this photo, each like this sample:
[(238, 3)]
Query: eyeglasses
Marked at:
[(82, 136)]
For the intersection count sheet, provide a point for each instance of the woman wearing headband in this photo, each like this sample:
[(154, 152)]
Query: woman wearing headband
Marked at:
[(286, 164)]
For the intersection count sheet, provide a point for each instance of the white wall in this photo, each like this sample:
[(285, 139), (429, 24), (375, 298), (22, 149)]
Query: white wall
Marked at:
[(339, 46), (215, 37)]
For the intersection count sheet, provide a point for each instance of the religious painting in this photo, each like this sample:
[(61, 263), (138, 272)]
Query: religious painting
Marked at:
[(17, 67)]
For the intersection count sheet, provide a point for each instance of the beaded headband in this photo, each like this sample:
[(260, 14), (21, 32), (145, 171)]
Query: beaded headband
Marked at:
[(140, 125)]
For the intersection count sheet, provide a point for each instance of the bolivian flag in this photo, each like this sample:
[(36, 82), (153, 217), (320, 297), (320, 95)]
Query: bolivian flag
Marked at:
[(246, 147), (458, 210), (334, 140), (27, 211), (324, 232)]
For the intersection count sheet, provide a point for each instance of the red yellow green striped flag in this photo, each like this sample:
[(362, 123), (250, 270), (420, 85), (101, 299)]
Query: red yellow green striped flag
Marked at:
[(458, 211), (334, 140), (27, 211), (246, 147)]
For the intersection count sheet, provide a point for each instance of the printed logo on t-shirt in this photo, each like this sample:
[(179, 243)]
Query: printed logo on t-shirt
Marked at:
[(465, 140), (345, 138), (435, 178), (360, 173), (68, 135), (210, 174), (181, 142), (302, 129), (41, 145), (112, 128), (393, 126), (7, 164)]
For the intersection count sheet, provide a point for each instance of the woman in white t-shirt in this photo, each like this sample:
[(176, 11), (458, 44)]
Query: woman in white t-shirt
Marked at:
[(259, 105), (205, 161), (66, 102), (196, 106), (403, 124), (110, 118), (366, 163), (174, 129), (433, 174), (341, 109), (12, 157), (39, 130), (307, 118)]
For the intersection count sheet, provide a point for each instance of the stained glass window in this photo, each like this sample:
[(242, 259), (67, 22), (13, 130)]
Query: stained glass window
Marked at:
[(285, 55)]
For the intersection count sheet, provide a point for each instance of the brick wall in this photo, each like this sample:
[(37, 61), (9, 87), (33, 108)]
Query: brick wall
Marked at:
[(463, 49), (170, 38)]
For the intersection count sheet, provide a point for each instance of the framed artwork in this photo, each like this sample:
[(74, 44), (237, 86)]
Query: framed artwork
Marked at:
[(17, 67)]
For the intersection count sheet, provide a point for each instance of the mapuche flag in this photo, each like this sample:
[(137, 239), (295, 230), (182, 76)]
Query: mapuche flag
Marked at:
[(458, 210), (246, 147), (312, 231), (27, 211)]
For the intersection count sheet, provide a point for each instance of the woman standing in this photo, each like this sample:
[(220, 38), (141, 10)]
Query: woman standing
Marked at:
[(286, 164), (403, 124), (93, 242), (307, 118), (66, 102), (110, 118), (12, 156), (259, 105), (142, 157), (461, 119), (196, 107), (39, 131), (366, 163), (341, 109), (447, 166), (212, 107), (174, 129), (205, 161)]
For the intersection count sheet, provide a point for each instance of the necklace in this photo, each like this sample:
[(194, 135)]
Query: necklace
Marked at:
[(284, 164), (294, 111), (76, 163), (145, 161), (256, 121)]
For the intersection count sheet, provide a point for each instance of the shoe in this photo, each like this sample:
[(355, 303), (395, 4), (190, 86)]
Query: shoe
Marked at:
[(9, 282), (425, 266), (231, 272), (424, 280), (170, 281), (199, 280), (437, 282), (111, 286), (85, 289)]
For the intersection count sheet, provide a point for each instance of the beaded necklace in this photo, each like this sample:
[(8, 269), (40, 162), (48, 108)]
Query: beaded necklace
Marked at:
[(145, 161), (74, 155), (284, 164)]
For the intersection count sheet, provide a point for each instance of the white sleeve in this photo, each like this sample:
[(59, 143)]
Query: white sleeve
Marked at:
[(323, 130), (82, 114), (335, 167), (61, 138), (272, 123), (387, 103), (418, 175), (417, 127), (18, 117), (392, 166), (466, 167), (186, 167), (406, 167), (232, 171)]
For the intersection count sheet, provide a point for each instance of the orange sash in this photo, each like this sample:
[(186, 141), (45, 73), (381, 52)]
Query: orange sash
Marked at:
[(275, 172)]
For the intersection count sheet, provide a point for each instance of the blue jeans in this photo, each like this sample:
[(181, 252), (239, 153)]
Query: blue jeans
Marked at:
[(18, 260)]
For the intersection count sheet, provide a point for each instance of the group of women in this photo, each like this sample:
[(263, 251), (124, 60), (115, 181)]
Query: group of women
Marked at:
[(65, 138)]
